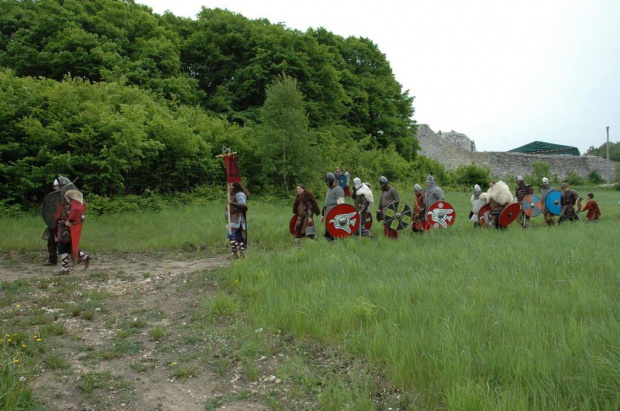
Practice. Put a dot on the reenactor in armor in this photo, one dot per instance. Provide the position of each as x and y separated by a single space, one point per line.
520 193
544 191
388 196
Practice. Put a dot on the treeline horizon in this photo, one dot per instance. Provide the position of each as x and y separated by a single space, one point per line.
133 102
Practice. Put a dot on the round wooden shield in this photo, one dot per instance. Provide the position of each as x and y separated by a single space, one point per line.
368 221
484 215
342 221
52 208
440 214
509 214
291 224
397 215
552 202
531 205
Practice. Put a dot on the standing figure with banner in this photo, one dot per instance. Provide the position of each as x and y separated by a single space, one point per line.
567 201
333 197
419 224
544 191
388 196
363 199
476 204
69 228
304 207
238 229
521 191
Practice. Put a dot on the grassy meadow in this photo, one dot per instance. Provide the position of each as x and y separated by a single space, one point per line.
452 319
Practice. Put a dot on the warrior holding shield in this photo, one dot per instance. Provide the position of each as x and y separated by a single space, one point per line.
333 197
69 226
304 207
388 196
520 193
568 200
433 192
52 205
544 191
498 197
476 204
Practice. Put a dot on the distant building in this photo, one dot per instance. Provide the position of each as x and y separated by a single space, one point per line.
540 147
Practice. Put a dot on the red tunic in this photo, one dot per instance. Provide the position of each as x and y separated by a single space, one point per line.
593 211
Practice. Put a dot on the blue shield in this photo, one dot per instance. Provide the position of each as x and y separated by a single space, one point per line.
553 203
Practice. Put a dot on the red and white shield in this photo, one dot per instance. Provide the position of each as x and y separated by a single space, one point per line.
509 214
484 215
440 214
342 221
368 221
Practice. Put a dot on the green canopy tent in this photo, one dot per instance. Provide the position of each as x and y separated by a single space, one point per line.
540 147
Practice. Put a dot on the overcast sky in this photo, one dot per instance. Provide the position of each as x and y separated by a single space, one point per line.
505 73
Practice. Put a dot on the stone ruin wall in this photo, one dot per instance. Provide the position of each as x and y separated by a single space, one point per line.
450 150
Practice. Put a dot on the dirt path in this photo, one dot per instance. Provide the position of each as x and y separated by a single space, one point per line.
107 354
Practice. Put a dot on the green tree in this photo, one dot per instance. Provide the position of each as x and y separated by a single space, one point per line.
541 169
285 143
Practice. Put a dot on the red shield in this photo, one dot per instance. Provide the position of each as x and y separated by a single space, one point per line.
440 214
342 221
291 224
531 204
509 214
368 221
484 215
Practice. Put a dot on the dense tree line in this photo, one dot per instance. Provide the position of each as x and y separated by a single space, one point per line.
133 101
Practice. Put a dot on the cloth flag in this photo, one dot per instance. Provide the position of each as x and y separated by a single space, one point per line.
232 170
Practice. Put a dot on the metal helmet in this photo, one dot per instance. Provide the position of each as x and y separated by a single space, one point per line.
383 180
330 178
62 181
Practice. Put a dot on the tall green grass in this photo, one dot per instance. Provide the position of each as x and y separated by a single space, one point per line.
456 319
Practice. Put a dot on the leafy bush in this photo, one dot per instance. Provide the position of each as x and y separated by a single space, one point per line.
574 179
541 169
469 175
595 178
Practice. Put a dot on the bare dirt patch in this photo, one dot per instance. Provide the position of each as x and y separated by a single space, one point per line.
128 338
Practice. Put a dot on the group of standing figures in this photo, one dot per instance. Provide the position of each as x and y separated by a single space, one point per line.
64 210
497 208
343 220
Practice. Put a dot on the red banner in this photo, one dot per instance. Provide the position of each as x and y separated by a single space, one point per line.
232 170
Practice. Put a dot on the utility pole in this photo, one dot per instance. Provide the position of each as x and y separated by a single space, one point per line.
608 170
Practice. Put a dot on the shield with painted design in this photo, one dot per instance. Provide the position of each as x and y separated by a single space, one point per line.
484 215
342 221
52 208
509 214
531 205
291 224
553 203
440 214
397 215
